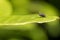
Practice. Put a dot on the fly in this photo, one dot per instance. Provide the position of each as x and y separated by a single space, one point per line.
42 15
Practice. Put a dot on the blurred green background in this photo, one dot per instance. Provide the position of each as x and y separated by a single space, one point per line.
28 11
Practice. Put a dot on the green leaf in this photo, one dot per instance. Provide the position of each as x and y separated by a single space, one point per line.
25 19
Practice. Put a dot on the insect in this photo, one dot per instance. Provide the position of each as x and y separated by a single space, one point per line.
42 15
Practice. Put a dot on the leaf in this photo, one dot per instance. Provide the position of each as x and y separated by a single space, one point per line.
25 19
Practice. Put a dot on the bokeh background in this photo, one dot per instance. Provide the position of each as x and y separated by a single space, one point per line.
33 31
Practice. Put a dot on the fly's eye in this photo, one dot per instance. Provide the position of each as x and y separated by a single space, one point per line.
42 15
